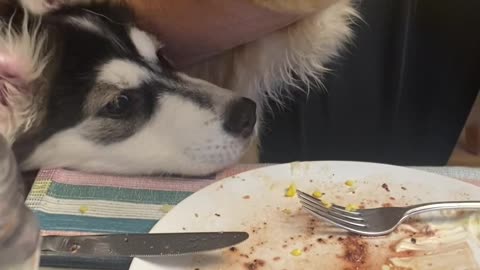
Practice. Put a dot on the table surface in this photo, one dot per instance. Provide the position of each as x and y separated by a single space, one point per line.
52 187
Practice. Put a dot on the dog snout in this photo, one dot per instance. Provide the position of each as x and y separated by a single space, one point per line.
240 117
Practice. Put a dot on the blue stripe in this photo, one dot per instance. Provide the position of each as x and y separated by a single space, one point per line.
142 196
54 222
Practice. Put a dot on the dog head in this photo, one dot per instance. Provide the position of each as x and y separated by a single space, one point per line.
83 88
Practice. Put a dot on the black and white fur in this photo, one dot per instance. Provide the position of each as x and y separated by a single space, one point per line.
83 88
178 124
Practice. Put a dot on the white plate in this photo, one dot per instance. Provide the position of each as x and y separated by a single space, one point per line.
255 202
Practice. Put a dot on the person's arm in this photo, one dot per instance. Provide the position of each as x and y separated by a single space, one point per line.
194 30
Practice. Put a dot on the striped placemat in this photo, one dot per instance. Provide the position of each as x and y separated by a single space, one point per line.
69 202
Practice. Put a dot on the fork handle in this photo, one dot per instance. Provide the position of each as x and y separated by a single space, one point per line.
427 207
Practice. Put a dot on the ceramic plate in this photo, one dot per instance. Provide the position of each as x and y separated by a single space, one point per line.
255 202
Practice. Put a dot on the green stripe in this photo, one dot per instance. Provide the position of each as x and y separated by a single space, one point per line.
54 222
141 196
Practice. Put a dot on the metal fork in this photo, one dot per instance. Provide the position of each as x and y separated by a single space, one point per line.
375 221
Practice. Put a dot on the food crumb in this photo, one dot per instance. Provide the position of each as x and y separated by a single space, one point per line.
233 249
83 209
296 252
246 197
327 204
317 194
404 188
196 215
413 240
351 208
166 208
350 183
216 214
291 191
276 258
320 240
255 264
385 186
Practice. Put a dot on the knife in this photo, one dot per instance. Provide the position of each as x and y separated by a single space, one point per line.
139 245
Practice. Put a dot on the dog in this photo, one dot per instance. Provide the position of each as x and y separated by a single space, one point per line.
82 87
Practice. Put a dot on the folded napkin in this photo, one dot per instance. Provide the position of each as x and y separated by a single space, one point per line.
71 203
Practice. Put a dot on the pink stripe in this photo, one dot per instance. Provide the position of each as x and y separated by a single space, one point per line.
473 182
152 183
65 233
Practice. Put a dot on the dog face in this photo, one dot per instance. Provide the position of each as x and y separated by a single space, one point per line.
114 105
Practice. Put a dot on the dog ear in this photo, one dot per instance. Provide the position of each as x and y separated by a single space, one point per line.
23 58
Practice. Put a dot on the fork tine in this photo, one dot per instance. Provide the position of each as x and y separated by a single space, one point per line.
347 218
339 222
335 208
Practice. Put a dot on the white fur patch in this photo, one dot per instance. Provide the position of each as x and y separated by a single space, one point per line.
124 73
146 46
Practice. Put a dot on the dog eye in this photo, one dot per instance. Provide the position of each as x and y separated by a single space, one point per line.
119 107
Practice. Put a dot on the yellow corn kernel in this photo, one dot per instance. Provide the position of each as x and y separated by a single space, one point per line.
166 208
351 207
291 191
327 204
350 183
296 252
83 209
317 194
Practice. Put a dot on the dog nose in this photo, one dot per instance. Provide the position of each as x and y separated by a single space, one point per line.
240 117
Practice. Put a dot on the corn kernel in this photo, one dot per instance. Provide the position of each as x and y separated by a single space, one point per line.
327 204
351 207
317 194
296 252
291 191
166 208
83 209
350 183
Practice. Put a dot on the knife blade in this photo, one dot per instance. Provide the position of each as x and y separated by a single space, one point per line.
139 245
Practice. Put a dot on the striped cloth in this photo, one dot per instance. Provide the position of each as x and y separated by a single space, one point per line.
68 202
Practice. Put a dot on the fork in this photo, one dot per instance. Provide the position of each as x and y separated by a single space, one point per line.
374 221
